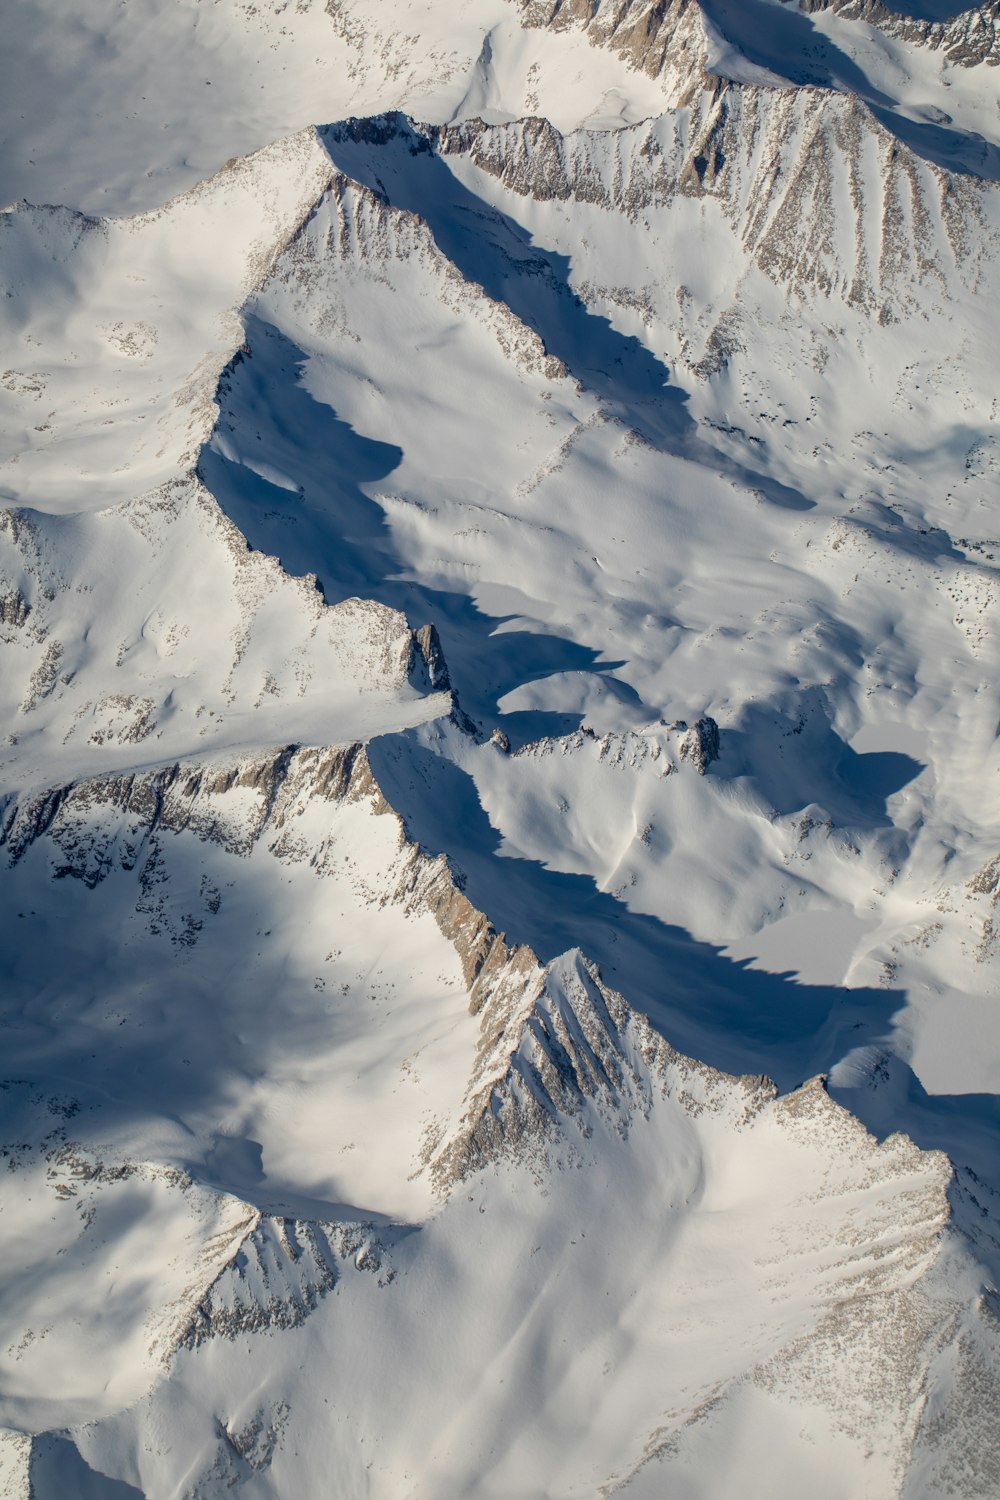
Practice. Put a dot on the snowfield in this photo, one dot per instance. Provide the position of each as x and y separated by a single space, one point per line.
499 564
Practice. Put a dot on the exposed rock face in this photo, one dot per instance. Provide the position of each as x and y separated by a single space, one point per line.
274 639
700 744
564 1072
354 223
429 671
551 1038
278 1275
775 162
986 882
652 35
761 1262
554 1041
659 38
14 608
969 38
666 746
428 643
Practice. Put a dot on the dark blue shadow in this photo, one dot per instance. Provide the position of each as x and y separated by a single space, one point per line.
319 520
719 1010
389 155
799 761
57 1469
786 41
875 777
927 10
712 1007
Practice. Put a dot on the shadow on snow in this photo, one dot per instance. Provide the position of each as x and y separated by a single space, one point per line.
305 505
711 1007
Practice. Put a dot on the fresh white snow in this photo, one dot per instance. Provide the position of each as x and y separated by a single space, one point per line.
498 577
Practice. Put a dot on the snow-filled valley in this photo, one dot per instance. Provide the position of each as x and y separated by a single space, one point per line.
499 564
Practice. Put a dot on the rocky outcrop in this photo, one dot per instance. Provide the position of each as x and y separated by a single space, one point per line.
781 165
665 36
14 609
665 746
559 1051
353 223
429 672
279 1275
700 744
552 1039
969 38
654 36
565 1072
427 646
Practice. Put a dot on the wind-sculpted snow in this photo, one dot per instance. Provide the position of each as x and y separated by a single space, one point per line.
199 632
653 38
794 761
497 665
151 103
564 1079
128 360
277 1277
906 67
787 169
967 37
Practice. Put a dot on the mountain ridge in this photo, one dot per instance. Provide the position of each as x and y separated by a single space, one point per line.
497 602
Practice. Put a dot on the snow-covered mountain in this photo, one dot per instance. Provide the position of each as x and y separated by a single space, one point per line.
498 569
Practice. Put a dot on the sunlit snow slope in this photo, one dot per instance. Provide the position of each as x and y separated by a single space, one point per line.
498 567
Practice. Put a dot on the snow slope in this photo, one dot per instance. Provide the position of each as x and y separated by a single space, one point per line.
153 100
565 1177
497 582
